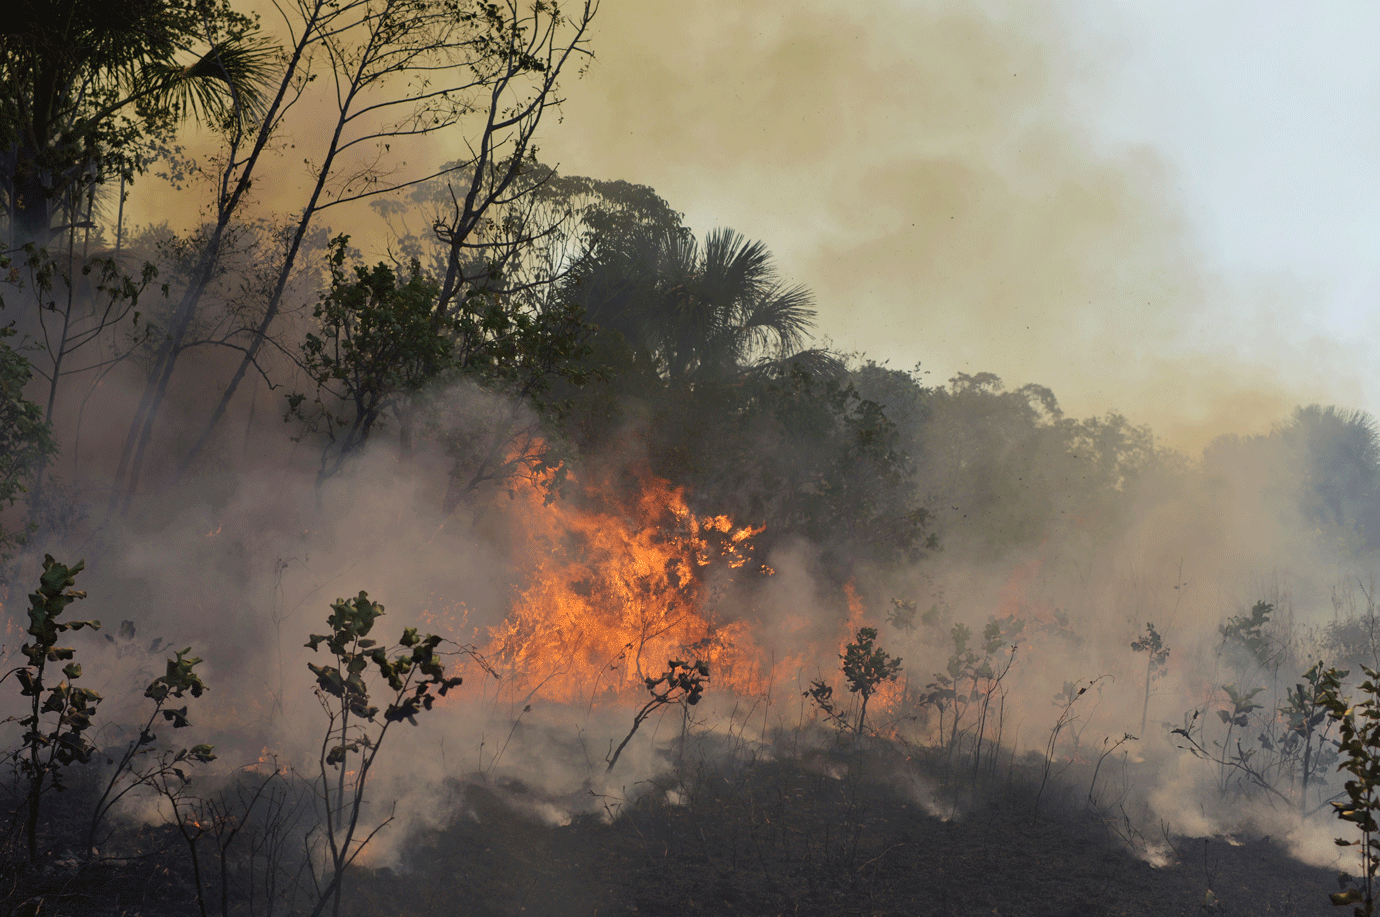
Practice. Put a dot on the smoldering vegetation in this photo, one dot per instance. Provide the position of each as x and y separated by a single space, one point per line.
505 539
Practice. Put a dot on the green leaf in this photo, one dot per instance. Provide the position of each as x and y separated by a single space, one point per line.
328 679
177 717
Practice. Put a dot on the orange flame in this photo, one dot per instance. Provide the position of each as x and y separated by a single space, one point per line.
619 586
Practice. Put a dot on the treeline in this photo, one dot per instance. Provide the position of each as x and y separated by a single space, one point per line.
524 323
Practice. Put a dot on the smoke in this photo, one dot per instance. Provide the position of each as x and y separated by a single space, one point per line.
938 177
924 169
246 575
935 174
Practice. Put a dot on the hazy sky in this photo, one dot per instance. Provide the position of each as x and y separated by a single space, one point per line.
1167 209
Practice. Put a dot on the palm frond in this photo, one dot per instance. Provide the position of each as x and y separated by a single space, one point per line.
735 268
780 319
816 362
226 85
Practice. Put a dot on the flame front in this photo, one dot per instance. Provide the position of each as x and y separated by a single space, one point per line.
617 587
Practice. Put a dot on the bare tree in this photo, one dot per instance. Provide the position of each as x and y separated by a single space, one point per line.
396 70
80 299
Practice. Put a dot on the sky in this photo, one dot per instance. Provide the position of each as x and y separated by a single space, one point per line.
1275 130
1166 209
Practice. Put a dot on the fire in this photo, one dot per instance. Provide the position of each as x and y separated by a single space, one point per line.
619 585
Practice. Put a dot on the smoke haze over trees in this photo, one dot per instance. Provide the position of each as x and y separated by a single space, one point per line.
585 452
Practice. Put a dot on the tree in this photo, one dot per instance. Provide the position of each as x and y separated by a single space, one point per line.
413 672
377 344
1335 455
681 683
521 335
93 85
1151 643
706 312
491 65
1359 747
805 455
520 357
26 441
377 353
59 714
865 667
536 234
1008 468
79 301
1321 467
93 91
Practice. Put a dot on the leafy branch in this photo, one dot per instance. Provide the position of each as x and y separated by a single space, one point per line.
413 671
865 667
55 729
681 683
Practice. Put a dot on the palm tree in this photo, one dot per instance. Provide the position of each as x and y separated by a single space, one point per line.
706 312
1336 455
90 83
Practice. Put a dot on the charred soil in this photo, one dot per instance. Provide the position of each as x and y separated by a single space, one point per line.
840 835
834 833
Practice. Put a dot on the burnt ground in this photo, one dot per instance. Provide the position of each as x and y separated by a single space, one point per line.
797 838
830 834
